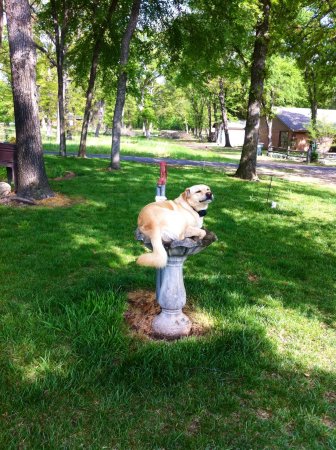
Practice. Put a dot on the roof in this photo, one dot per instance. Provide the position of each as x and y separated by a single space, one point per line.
297 119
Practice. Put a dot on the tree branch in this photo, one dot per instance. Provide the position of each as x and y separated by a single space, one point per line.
45 51
242 57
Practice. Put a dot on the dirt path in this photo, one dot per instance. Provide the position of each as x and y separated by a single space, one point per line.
320 175
325 176
299 172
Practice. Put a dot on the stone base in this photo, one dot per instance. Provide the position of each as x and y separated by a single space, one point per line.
171 325
5 189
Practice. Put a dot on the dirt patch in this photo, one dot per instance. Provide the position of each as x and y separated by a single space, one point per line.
143 307
66 176
328 422
330 396
263 414
253 278
58 201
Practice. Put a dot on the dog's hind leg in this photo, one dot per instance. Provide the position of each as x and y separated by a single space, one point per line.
158 258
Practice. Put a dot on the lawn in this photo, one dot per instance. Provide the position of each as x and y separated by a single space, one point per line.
156 147
160 147
74 376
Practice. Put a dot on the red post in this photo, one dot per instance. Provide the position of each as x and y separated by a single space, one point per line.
160 196
163 174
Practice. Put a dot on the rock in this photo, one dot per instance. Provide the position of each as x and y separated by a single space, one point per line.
5 189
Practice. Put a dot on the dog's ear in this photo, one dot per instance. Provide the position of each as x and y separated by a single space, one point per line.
186 194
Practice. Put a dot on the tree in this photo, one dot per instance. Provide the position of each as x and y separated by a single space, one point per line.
99 32
121 86
1 20
171 107
221 96
100 106
197 101
57 23
6 95
206 52
6 105
248 161
31 178
46 79
61 17
312 42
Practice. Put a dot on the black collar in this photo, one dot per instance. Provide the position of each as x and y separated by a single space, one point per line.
201 213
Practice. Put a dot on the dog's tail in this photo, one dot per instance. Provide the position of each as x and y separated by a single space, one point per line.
158 258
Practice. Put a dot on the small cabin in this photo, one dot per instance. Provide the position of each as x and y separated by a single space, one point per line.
289 128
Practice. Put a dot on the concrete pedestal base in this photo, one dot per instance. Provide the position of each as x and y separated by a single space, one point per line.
172 323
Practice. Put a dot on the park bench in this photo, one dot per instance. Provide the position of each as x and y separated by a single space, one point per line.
7 159
280 152
327 157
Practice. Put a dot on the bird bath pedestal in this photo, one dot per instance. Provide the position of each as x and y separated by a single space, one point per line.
172 323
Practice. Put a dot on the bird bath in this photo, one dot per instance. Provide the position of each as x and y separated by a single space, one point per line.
172 323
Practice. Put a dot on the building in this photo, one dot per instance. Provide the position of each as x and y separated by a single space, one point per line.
236 133
289 128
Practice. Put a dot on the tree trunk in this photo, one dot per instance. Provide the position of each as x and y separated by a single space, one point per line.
49 128
59 45
220 139
312 93
92 79
221 96
209 121
247 169
147 129
121 87
268 110
31 178
89 96
1 20
101 109
67 118
214 107
269 124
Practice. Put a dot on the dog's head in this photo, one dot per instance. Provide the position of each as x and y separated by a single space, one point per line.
198 196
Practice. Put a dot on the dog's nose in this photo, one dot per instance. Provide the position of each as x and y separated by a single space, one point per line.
209 195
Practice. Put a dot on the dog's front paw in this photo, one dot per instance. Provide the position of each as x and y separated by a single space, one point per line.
202 234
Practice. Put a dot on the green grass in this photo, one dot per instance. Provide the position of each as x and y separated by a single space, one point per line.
154 147
159 147
74 377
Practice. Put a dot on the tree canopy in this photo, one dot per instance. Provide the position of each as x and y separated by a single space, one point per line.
189 66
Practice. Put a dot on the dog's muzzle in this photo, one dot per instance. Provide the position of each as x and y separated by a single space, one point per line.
208 197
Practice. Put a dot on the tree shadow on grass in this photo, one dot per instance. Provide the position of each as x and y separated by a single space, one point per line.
233 384
70 363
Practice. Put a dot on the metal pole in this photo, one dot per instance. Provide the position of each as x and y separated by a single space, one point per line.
160 196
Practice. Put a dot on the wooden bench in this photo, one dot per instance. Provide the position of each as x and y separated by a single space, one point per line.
279 152
7 159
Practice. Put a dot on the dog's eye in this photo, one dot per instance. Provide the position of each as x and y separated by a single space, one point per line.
198 192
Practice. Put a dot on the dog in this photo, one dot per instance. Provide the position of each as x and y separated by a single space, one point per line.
173 220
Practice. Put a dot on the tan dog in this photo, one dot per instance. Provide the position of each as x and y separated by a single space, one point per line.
173 220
